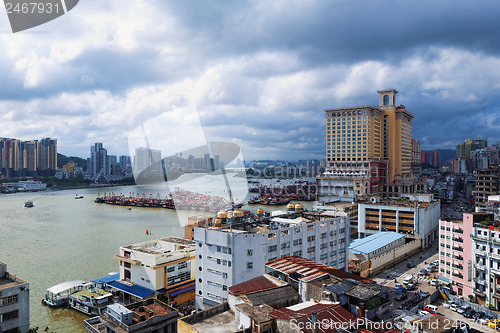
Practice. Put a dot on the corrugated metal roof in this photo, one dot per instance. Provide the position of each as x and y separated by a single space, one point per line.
252 285
374 242
310 269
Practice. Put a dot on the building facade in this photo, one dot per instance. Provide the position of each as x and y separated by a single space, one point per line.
413 218
456 254
229 255
163 267
28 158
366 147
487 183
14 302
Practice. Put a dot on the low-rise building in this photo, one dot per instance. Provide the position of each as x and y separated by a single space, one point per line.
298 271
236 249
150 315
415 219
163 268
14 302
381 250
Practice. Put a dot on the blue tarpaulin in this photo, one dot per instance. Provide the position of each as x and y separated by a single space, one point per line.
182 290
135 290
107 279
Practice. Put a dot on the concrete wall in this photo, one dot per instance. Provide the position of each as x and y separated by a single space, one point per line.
201 315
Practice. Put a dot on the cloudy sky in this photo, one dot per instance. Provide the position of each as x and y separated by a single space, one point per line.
258 73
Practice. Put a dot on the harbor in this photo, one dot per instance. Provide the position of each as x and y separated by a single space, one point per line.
67 240
179 199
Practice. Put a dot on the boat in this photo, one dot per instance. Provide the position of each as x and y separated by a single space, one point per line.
78 196
90 299
58 295
28 203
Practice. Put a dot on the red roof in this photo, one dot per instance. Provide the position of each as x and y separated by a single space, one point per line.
309 269
331 313
256 284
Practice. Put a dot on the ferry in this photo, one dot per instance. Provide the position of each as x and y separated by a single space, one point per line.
28 203
58 295
90 300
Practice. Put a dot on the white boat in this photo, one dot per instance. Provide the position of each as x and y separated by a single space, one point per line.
58 295
90 300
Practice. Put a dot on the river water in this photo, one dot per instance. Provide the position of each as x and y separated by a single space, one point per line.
62 239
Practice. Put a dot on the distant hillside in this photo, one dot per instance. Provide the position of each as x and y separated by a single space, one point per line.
62 159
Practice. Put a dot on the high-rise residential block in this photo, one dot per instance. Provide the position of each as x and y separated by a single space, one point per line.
28 158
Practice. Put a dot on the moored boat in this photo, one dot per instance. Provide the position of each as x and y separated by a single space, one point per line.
58 295
78 196
90 300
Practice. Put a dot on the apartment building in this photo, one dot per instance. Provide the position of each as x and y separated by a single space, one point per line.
232 251
487 183
456 254
486 258
413 218
14 302
162 268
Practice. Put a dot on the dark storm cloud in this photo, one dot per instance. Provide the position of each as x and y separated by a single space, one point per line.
259 73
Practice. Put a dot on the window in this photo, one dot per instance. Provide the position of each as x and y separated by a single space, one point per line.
249 252
9 300
170 269
249 265
272 248
182 265
10 315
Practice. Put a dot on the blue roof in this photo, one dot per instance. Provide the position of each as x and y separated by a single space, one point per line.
107 278
135 290
374 242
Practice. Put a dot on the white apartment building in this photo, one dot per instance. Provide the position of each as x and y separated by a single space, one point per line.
228 255
159 267
14 302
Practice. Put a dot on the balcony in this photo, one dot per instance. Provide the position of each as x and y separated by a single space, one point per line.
495 271
495 256
461 249
479 238
480 281
479 293
480 267
481 253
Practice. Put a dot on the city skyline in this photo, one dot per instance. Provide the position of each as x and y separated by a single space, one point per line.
258 75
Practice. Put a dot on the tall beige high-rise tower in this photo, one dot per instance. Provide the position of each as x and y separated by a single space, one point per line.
368 150
396 135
